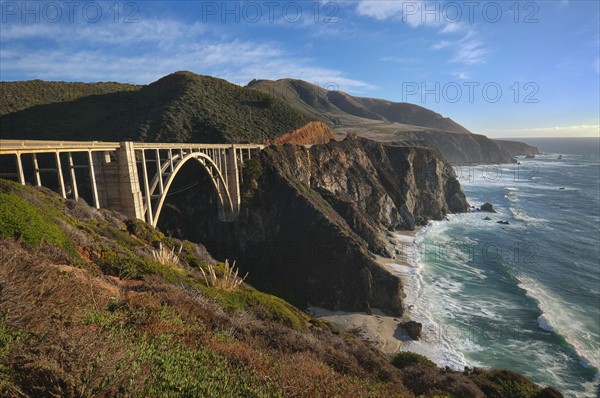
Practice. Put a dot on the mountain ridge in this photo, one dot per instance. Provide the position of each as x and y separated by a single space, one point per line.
299 92
386 121
182 106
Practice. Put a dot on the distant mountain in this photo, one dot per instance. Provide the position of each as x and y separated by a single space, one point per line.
341 108
516 148
182 107
384 120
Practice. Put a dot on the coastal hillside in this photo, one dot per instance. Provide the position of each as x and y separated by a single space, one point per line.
516 148
339 108
17 96
97 305
313 217
386 121
182 107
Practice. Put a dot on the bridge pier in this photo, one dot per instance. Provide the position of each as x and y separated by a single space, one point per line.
233 179
117 182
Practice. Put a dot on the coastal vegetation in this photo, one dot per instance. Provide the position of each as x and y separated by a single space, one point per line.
87 310
181 107
17 96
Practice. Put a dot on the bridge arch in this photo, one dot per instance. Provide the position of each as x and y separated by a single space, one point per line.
218 181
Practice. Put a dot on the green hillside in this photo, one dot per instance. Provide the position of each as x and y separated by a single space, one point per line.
88 309
386 121
16 96
340 108
182 106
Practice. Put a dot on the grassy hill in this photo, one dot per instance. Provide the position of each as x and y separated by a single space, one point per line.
386 121
182 106
17 96
340 108
87 309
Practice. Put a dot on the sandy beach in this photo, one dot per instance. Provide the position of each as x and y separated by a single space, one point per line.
382 330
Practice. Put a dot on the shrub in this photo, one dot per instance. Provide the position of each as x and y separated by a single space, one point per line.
164 256
406 358
22 219
229 280
512 384
127 265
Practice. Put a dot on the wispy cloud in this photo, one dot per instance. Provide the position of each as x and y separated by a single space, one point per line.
382 10
146 51
461 75
162 33
468 49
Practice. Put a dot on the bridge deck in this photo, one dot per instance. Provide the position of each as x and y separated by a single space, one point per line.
8 147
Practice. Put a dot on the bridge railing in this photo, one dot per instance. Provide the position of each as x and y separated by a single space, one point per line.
12 147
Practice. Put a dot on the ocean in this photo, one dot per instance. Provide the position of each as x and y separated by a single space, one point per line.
523 296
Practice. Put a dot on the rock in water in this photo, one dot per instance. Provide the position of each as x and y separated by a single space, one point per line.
412 329
488 208
503 222
487 219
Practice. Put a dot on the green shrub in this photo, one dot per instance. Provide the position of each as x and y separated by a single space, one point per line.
7 340
24 220
406 358
178 371
512 384
265 306
251 172
101 318
130 266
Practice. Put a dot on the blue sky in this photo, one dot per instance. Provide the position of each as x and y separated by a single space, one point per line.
504 68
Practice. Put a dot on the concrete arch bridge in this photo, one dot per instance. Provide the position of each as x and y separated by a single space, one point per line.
131 178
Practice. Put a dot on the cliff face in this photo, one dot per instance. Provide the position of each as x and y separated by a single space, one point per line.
312 215
516 148
459 148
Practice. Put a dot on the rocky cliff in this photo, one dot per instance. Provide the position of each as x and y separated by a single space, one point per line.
312 217
516 148
458 148
312 133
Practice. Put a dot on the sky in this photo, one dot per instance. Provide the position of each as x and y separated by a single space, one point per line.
503 68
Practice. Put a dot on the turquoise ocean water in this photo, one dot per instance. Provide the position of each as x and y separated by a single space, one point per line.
523 296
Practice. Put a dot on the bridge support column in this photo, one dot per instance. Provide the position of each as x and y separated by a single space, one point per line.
233 179
102 170
129 183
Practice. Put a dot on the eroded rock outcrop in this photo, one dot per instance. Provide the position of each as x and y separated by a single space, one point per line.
312 133
312 217
488 207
